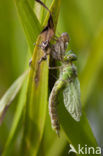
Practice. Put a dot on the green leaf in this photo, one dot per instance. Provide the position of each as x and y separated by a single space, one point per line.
29 21
54 11
36 101
10 95
58 146
18 118
76 132
17 121
93 67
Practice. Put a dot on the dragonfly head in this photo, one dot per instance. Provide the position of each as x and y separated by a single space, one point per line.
70 57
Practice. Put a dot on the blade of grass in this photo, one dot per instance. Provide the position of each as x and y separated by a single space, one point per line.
89 76
31 28
76 132
10 95
57 146
54 11
36 103
17 124
29 21
50 141
31 3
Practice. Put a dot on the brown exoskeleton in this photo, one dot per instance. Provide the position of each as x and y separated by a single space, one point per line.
57 49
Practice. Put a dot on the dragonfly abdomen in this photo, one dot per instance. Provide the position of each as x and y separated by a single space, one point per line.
53 105
53 111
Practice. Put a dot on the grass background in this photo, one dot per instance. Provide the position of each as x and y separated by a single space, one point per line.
84 23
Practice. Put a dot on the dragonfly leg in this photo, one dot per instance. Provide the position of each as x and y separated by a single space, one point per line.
57 67
43 58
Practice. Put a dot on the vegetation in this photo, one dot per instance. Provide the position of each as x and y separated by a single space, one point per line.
26 128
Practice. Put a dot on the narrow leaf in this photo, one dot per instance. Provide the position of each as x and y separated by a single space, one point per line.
18 118
10 95
58 146
36 102
29 21
16 121
76 132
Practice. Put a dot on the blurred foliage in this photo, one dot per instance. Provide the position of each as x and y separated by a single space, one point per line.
83 20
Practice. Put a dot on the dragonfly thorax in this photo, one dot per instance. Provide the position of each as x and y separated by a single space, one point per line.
58 49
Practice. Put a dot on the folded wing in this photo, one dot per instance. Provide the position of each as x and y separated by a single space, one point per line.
72 100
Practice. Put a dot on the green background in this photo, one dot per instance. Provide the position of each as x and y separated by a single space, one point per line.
83 20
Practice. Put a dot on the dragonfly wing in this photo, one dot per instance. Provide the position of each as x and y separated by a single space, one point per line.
72 101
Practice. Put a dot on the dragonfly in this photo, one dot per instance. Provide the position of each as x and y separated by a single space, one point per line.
68 81
69 84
